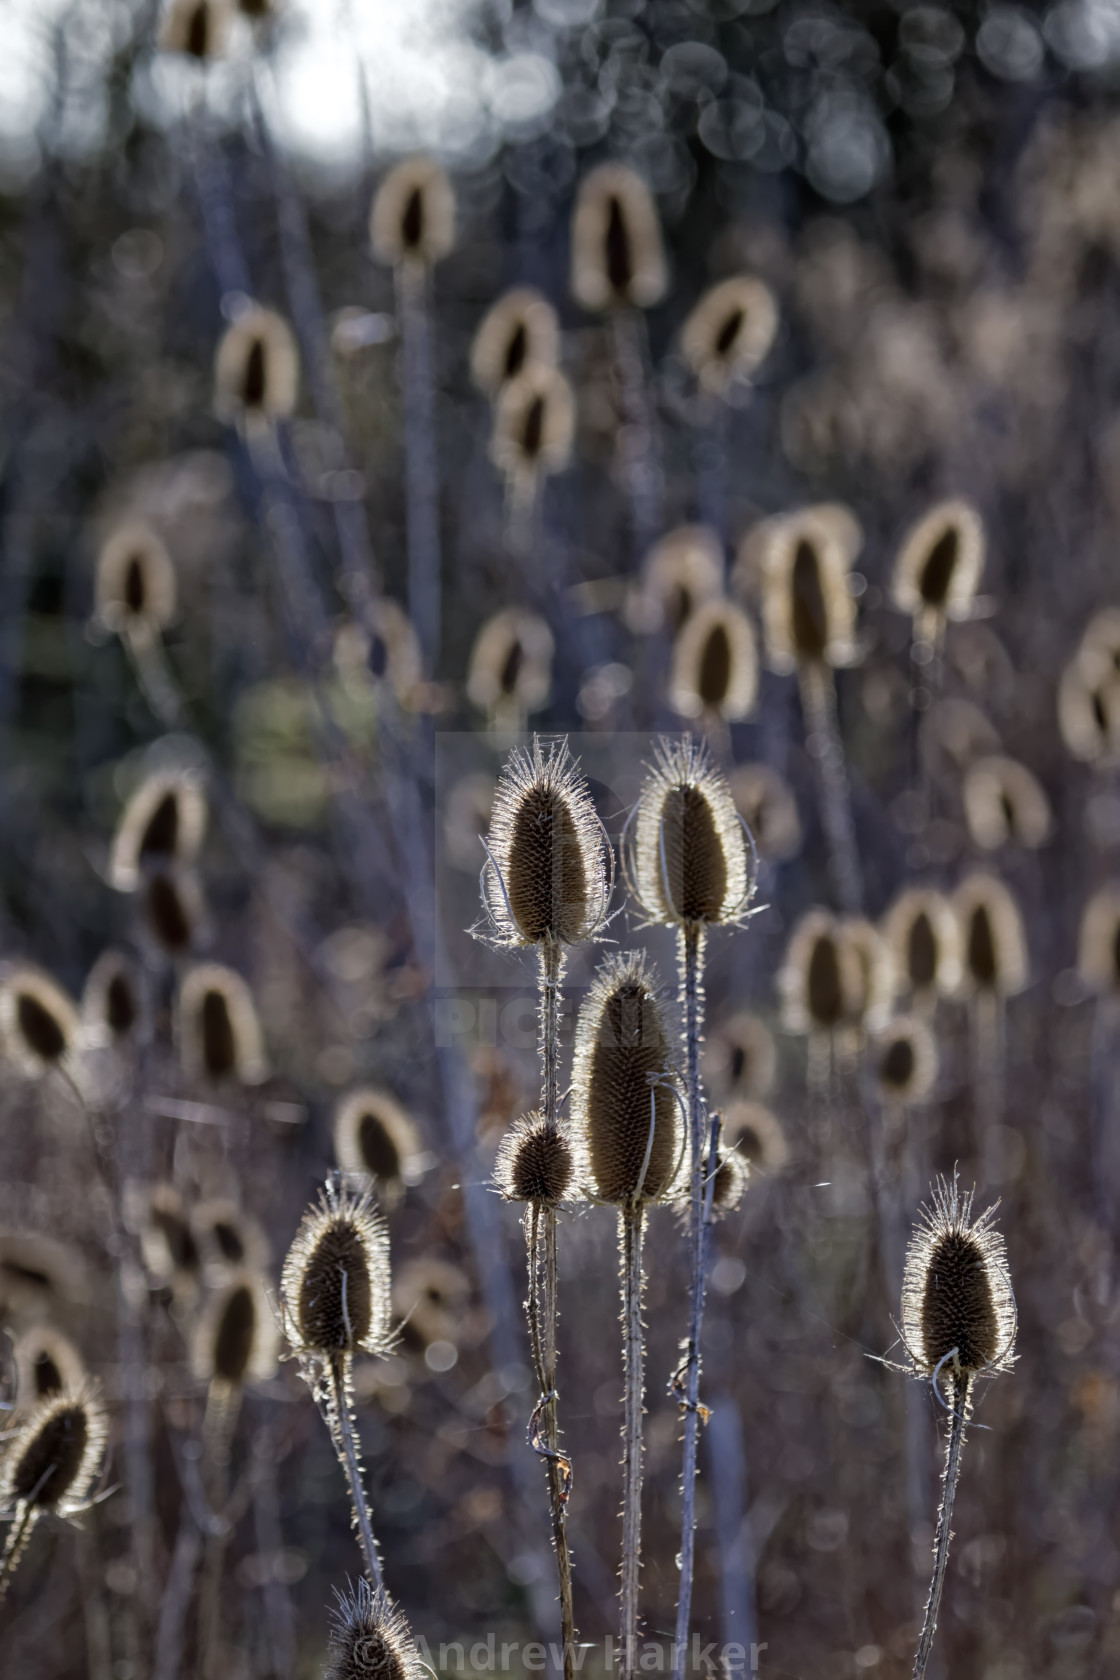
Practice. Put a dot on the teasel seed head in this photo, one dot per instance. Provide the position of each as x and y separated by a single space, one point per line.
510 671
938 569
229 1239
837 974
729 1185
55 1457
335 1286
376 1138
198 28
766 804
993 940
905 1060
167 1241
681 572
46 1363
687 857
520 331
923 936
535 1162
135 590
114 1001
413 215
162 826
237 1338
1004 803
370 1638
1101 638
868 973
219 1033
756 1134
729 332
549 871
618 260
625 1106
256 370
431 1298
956 1289
39 1278
1089 708
39 1022
384 647
174 910
715 664
534 426
1098 944
740 1059
808 612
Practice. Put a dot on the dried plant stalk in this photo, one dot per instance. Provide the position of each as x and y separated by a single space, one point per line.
631 1225
818 704
421 462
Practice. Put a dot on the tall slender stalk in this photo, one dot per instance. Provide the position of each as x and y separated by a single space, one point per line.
818 704
960 1399
638 440
341 1420
421 474
631 1226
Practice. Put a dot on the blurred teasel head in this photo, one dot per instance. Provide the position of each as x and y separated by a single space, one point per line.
376 1138
803 561
924 939
174 911
113 1000
729 1181
766 804
510 672
618 260
625 1103
549 870
370 1638
954 734
993 940
39 1278
197 28
756 1134
413 216
837 974
715 664
729 332
535 1162
1098 944
256 371
135 593
1004 803
39 1023
229 1239
688 859
534 426
740 1059
1101 638
236 1338
868 973
335 1286
219 1032
519 332
46 1363
384 647
1089 708
958 1308
938 569
161 827
904 1057
54 1458
681 572
431 1297
167 1240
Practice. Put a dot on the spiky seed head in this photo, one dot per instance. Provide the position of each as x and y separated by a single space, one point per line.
56 1455
923 937
510 670
803 561
956 1289
905 1060
376 1138
534 425
740 1059
167 1241
766 804
431 1297
1089 708
413 215
335 1285
134 585
370 1638
535 1162
1098 945
1005 802
229 1239
993 940
219 1032
518 332
547 879
236 1339
681 572
938 569
618 260
197 28
715 664
173 910
383 648
39 1022
756 1135
689 859
256 370
729 332
113 1000
161 827
46 1363
625 1110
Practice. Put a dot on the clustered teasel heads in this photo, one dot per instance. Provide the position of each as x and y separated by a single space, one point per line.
413 216
335 1286
715 664
370 1638
729 332
135 591
162 826
256 371
376 1138
808 612
618 260
939 564
39 1023
519 332
220 1033
958 1308
687 856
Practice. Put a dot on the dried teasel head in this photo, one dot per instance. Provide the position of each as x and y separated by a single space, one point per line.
168 1245
687 856
256 370
335 1286
510 671
729 332
219 1032
46 1363
625 1104
1098 944
618 260
39 1278
1101 639
681 572
938 569
1089 708
715 664
431 1298
729 1183
229 1239
993 939
135 591
904 1057
535 1162
923 936
114 1001
740 1059
376 1138
802 561
868 973
55 1456
958 1309
236 1339
836 974
1005 803
173 910
161 827
384 647
534 425
413 215
39 1023
549 870
756 1134
197 28
520 331
766 804
370 1638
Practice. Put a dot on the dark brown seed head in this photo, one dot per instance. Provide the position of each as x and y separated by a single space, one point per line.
714 676
42 1029
957 1306
256 373
172 1247
121 1006
335 1284
940 562
618 260
824 990
412 222
219 1029
958 1310
219 1053
374 1136
56 1455
905 1060
688 862
168 914
534 1162
370 1640
921 952
617 256
980 948
39 1022
896 1068
413 215
994 950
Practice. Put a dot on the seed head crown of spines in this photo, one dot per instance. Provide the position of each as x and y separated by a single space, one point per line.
958 1307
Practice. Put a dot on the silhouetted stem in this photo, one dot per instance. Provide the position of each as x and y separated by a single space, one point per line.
818 706
959 1399
632 1222
346 1441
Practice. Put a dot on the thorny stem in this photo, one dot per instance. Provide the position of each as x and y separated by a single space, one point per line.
960 1401
632 1221
420 464
18 1536
818 705
345 1440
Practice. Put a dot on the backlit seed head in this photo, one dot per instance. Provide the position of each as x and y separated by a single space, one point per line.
431 1298
198 28
1004 803
161 827
376 1138
837 973
1098 945
39 1023
134 585
519 331
730 332
715 664
904 1057
954 734
938 569
174 910
113 1000
756 1134
167 1241
229 1239
1102 636
256 371
680 573
370 1639
335 1285
689 859
730 1183
46 1363
413 215
534 425
1089 708
56 1455
868 973
219 1032
237 1338
625 1108
808 612
740 1059
384 648
535 1162
767 805
467 814
923 936
956 1289
618 260
993 940
510 670
548 874
39 1278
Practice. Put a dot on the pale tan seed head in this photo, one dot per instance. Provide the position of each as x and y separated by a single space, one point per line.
740 1059
904 1059
813 983
197 28
219 1030
335 1285
229 1239
375 1138
766 803
618 260
536 1162
802 561
114 1000
383 648
923 936
956 1290
168 1245
1098 944
681 572
162 826
714 670
689 859
1005 804
46 1363
937 572
993 939
867 971
730 331
519 331
237 1339
431 1297
510 673
41 1279
256 370
756 1134
534 425
413 216
135 589
39 1022
56 1455
1089 708
370 1638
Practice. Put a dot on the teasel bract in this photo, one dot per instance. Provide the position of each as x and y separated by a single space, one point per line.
162 826
510 673
958 1325
335 1293
375 1138
682 571
219 1032
256 371
938 568
518 332
715 664
729 332
1005 803
630 1144
534 427
923 936
50 1466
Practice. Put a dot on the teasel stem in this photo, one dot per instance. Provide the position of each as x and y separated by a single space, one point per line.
16 1543
960 1401
711 462
818 705
631 1227
987 1021
638 441
341 1420
421 462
